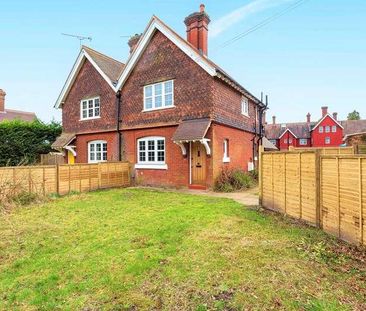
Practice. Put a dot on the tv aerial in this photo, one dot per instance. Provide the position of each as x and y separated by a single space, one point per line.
80 38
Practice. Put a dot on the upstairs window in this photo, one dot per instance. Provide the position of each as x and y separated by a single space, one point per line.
97 151
245 106
327 140
159 95
286 141
226 157
327 129
334 129
290 141
321 129
303 141
90 108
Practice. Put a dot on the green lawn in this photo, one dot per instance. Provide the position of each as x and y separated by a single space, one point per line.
136 249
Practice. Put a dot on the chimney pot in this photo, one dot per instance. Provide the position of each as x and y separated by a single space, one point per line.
308 118
324 111
335 115
133 42
273 119
197 29
2 100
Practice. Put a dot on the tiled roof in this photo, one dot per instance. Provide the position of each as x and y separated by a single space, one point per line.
301 129
63 140
192 130
111 67
353 126
10 114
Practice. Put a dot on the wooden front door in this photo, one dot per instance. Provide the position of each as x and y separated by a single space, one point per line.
198 164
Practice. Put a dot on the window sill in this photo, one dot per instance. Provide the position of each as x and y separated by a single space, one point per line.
87 119
245 115
226 160
151 166
160 108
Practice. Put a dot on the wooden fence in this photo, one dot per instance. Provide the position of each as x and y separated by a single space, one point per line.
327 150
328 191
63 179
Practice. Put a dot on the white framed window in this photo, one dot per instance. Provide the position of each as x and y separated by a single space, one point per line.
159 95
226 157
151 153
273 141
286 141
334 129
327 129
327 140
90 108
97 151
290 141
245 106
321 129
303 141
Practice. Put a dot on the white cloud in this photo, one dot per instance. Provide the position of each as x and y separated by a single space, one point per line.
228 20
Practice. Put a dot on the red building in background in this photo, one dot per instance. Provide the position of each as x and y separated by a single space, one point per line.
326 132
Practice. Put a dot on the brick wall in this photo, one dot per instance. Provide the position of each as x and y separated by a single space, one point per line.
177 173
240 148
161 61
89 83
227 107
82 145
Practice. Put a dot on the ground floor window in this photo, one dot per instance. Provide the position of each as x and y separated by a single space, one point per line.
303 141
97 151
226 157
327 140
151 152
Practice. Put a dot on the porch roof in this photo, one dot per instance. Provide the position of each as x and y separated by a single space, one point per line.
63 140
192 130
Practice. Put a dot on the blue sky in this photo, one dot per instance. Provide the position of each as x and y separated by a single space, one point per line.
315 55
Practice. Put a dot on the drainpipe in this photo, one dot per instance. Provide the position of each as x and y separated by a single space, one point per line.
118 103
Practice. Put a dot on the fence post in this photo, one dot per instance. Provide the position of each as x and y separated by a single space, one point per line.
260 175
318 189
338 199
99 176
57 179
361 200
285 179
300 184
272 180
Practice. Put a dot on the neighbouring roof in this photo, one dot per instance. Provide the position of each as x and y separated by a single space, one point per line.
10 114
353 126
63 140
268 145
191 130
303 129
300 130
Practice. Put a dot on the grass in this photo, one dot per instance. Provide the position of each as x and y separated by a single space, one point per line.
135 249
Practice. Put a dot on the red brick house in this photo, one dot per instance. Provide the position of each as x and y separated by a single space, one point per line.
11 114
170 111
326 132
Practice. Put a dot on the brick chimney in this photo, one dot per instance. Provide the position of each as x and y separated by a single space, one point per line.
324 111
273 119
197 29
335 115
133 42
2 100
308 117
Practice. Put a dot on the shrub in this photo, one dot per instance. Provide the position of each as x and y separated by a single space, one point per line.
233 179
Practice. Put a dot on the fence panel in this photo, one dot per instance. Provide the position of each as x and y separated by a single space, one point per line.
327 150
63 179
325 190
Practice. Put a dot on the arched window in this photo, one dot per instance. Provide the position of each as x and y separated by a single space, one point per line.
97 151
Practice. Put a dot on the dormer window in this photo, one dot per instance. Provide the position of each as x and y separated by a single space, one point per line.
245 106
90 108
159 95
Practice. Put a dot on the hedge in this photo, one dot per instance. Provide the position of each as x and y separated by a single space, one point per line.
22 142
